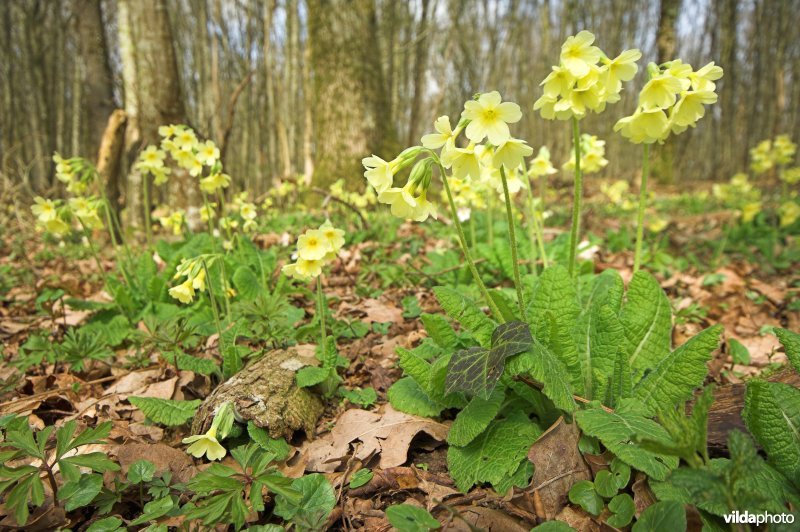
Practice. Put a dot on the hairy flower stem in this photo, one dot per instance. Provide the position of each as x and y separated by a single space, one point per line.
637 257
323 340
213 299
148 224
498 316
577 198
513 238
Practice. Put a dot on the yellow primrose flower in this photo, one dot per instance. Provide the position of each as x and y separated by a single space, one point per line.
621 68
511 154
379 173
789 213
577 53
303 270
791 175
44 209
660 92
185 139
173 222
644 126
704 78
160 175
56 226
199 280
151 157
464 162
206 445
541 164
208 212
183 292
657 225
558 82
783 149
489 117
546 105
214 182
404 205
750 210
444 133
248 211
208 153
169 131
616 191
335 237
312 245
690 108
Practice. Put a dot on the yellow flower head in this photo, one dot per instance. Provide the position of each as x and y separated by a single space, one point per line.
151 158
313 245
750 210
577 53
185 139
489 117
464 162
444 133
183 292
511 154
44 209
303 270
660 92
405 205
208 153
541 164
783 149
379 173
691 107
214 182
621 68
248 211
206 445
789 213
169 131
334 237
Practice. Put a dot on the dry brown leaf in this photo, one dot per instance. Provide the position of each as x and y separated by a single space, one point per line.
164 457
487 519
558 465
387 433
380 311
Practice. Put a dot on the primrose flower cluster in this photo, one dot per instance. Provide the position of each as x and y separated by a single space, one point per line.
475 165
779 153
194 270
55 216
672 100
315 249
585 79
593 155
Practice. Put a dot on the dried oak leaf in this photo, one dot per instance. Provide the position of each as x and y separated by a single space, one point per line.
386 432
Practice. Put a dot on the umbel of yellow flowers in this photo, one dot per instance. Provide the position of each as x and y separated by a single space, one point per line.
315 249
195 272
585 79
673 99
473 165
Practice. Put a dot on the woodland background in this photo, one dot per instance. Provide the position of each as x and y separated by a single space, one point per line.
292 88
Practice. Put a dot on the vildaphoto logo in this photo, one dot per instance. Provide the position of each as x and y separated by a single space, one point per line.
742 518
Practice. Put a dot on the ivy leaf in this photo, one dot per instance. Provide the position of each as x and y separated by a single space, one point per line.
584 495
475 418
791 344
165 411
772 414
495 455
664 515
622 508
676 376
407 396
646 319
467 313
476 370
408 518
619 428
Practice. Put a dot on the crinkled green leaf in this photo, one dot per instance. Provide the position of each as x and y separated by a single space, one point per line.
597 333
494 455
415 367
467 313
554 293
621 386
772 414
791 344
663 515
165 411
674 379
406 396
476 370
408 518
246 283
315 504
439 330
605 288
646 318
311 376
475 418
617 430
549 370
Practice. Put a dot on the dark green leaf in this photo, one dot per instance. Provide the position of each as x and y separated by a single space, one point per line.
664 515
408 518
584 495
80 493
141 471
360 478
165 411
622 508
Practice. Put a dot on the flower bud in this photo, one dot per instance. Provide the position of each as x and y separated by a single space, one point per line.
421 173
